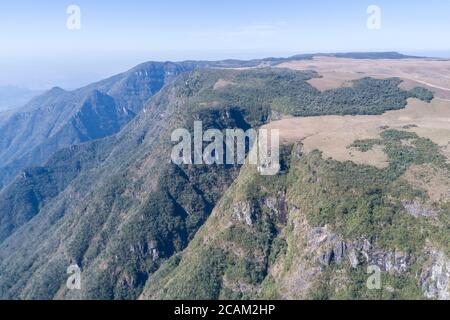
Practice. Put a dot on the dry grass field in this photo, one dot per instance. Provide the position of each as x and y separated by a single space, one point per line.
333 134
436 182
433 74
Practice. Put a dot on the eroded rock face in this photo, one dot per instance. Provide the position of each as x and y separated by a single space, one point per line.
247 211
144 249
243 212
435 280
417 210
330 248
277 206
153 249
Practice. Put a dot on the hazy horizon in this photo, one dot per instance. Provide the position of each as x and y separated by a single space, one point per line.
85 72
40 51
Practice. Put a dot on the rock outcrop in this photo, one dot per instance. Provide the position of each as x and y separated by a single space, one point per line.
435 280
243 212
417 210
330 248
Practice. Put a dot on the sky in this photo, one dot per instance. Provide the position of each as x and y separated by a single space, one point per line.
39 51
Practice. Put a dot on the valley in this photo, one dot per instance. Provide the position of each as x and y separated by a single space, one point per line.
363 181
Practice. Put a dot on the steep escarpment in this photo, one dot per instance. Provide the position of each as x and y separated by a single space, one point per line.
319 230
124 211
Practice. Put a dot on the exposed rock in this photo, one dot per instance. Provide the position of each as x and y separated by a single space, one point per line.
326 258
277 206
239 286
327 245
271 203
339 251
435 281
390 261
330 248
243 212
153 250
144 249
417 210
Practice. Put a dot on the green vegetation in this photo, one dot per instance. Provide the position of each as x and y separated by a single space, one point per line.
240 254
422 94
124 214
247 101
366 201
393 287
365 145
289 92
355 201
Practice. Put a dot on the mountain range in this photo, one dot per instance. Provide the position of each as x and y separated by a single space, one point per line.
86 179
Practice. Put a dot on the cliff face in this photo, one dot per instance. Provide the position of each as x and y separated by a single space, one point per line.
318 230
139 225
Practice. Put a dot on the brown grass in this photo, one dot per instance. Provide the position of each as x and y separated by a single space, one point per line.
333 134
221 83
435 181
336 72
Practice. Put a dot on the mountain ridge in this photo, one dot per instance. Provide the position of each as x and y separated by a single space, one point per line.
120 211
52 121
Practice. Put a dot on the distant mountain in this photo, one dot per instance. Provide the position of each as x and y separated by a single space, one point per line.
308 56
14 97
368 55
60 118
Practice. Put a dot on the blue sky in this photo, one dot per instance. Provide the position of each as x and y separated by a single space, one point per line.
39 51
